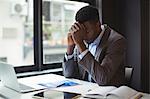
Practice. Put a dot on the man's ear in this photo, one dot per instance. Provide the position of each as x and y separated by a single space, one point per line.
98 24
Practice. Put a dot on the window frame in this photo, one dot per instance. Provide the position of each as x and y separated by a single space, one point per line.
37 6
38 41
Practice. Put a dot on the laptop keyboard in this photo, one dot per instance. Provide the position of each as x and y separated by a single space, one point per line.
24 87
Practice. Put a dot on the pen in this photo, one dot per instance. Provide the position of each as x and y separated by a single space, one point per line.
76 97
138 96
89 90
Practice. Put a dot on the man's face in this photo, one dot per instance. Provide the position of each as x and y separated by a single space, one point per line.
92 31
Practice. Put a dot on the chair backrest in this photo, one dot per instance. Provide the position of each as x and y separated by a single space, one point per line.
128 74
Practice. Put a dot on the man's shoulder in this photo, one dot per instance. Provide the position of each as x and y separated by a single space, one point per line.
114 35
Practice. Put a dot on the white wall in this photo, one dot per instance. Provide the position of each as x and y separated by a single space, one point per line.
11 46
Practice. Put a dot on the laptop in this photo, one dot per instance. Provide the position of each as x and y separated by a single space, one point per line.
9 79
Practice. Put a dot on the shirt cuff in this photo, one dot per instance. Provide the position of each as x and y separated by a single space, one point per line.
67 57
83 54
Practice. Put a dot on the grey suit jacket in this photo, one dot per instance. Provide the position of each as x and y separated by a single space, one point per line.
106 67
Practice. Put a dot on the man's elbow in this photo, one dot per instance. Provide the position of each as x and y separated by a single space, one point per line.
103 80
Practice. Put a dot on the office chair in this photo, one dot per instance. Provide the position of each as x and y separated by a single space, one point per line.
128 74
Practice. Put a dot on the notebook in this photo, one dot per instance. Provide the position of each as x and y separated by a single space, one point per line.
122 92
9 79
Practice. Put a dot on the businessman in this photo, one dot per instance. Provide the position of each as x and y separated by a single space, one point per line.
95 52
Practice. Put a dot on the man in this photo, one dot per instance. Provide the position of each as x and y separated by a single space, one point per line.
95 52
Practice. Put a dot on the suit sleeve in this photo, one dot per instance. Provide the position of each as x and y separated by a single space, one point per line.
103 72
70 68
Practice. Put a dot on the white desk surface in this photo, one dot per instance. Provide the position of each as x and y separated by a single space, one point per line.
6 93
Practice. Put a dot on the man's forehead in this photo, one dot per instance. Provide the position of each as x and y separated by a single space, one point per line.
85 23
88 23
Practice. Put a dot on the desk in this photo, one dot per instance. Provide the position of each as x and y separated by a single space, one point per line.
6 93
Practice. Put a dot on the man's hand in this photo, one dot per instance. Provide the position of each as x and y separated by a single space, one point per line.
70 40
78 33
71 44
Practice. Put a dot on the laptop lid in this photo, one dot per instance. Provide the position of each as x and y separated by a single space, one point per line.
9 79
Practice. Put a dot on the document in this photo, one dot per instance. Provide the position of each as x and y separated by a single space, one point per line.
78 89
99 92
42 81
59 84
123 92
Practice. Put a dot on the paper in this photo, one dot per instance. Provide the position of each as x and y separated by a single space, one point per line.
59 84
79 89
102 91
41 79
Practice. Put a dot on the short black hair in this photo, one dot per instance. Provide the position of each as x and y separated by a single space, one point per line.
87 13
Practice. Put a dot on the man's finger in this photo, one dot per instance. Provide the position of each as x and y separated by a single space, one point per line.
78 24
73 29
69 34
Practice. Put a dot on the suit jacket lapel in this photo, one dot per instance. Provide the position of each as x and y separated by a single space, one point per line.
102 44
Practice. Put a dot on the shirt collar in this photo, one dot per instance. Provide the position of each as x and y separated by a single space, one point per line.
97 40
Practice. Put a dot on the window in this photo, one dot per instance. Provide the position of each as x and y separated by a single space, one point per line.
16 32
33 32
58 16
